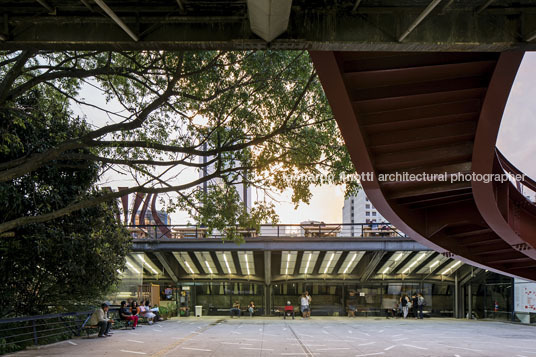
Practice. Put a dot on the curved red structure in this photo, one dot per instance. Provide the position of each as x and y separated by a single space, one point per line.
435 113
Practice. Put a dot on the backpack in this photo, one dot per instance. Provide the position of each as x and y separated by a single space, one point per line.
421 301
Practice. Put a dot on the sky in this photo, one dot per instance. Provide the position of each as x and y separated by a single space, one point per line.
516 140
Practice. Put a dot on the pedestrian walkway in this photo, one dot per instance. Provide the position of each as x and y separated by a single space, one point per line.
320 336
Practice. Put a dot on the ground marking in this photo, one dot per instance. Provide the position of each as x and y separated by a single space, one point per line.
236 333
367 344
136 341
135 352
333 348
400 339
417 347
133 333
196 349
462 348
161 330
256 348
381 331
293 354
349 331
72 343
389 348
325 332
371 354
236 343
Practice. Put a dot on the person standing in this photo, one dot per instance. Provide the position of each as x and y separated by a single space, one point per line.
304 302
309 299
101 319
404 300
351 303
414 303
420 305
251 308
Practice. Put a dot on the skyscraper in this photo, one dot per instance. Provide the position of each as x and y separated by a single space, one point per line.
358 209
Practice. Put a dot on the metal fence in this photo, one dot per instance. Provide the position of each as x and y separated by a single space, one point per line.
20 332
178 231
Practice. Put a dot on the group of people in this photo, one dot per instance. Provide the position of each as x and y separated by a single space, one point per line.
235 310
127 312
415 304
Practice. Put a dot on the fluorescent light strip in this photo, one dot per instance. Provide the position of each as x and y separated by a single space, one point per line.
398 257
288 260
308 261
385 270
150 267
436 263
226 263
350 263
132 267
247 265
329 263
208 266
449 269
189 267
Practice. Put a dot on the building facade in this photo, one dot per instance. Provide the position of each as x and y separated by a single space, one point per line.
359 209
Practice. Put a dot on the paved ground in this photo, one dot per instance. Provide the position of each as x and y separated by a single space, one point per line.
333 336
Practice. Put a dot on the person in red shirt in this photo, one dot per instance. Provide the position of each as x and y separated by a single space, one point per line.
289 309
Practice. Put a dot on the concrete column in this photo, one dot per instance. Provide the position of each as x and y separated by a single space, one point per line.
456 297
470 300
267 282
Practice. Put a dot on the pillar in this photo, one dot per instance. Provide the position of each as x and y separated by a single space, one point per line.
267 282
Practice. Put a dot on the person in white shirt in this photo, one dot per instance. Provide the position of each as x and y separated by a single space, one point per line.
309 299
100 318
304 302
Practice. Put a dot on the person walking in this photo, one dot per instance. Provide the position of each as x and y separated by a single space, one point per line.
304 302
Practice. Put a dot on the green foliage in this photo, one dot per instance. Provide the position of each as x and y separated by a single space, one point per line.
256 117
65 262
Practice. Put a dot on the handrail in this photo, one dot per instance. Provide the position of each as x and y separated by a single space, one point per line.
19 332
152 231
509 168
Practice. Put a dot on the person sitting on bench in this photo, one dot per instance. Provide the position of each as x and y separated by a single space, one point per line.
289 309
125 314
101 319
235 311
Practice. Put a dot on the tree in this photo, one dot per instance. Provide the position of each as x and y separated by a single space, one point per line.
67 261
259 117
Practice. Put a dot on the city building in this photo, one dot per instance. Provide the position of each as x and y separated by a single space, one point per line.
358 209
244 190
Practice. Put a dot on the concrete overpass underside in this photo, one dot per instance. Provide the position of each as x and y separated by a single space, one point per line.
270 261
351 25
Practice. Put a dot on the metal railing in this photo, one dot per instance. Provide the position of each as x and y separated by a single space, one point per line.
20 332
324 230
522 186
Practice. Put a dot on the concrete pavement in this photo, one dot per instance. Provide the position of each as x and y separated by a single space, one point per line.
319 336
